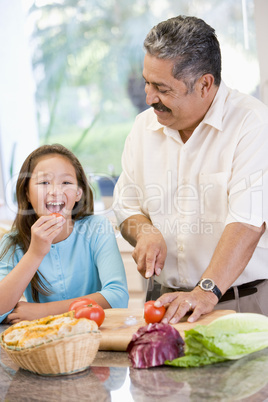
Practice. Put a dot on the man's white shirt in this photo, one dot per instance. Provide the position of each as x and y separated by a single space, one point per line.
191 191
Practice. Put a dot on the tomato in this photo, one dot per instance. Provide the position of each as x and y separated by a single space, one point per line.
92 312
81 303
56 214
153 314
88 308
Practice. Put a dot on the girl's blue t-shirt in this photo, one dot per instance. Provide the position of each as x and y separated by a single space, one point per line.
88 261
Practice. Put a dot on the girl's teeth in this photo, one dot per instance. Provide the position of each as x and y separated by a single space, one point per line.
55 206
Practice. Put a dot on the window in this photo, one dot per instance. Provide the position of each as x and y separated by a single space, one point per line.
87 59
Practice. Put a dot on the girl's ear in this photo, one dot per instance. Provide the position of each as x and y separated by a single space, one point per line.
79 193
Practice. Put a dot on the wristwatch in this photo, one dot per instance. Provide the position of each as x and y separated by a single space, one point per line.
209 286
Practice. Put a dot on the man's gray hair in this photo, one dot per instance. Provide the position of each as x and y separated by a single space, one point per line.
191 43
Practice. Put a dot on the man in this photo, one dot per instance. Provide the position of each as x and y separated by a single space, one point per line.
192 197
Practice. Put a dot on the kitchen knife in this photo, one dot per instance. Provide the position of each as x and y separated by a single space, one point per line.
150 288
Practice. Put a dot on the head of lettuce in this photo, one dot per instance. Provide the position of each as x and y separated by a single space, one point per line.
227 338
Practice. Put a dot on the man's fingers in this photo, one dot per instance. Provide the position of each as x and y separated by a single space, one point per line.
140 261
181 303
150 264
166 299
150 254
179 311
176 308
159 263
155 261
145 260
134 256
194 316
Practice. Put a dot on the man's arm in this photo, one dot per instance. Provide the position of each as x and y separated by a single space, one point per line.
231 256
150 248
233 252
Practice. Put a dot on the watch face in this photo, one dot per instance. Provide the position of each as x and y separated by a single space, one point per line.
207 284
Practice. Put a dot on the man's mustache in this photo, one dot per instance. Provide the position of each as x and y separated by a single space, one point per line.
160 107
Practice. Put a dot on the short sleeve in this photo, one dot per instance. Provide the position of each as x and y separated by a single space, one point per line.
110 266
248 187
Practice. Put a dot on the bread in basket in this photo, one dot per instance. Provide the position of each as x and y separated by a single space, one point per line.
53 345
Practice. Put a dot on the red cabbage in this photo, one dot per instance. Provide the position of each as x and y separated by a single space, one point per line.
153 344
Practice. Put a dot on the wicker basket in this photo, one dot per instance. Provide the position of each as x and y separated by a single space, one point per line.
62 356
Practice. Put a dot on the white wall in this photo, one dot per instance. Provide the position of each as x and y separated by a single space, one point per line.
261 19
1 186
17 110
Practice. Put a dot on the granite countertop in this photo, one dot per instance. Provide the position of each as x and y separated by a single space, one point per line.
111 378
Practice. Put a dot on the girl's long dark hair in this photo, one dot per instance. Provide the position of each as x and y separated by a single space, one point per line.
26 216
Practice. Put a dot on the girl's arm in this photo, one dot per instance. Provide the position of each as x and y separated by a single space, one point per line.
14 283
110 270
32 311
110 266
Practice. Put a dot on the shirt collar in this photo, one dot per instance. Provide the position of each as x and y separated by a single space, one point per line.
213 116
154 125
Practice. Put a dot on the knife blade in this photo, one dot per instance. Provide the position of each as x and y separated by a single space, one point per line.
150 288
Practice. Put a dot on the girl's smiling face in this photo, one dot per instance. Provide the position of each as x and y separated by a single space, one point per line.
53 186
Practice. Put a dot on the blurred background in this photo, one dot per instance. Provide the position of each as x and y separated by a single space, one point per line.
71 73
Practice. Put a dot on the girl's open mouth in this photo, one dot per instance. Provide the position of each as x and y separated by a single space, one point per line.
55 206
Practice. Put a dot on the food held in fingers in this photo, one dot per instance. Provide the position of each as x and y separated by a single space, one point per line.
56 214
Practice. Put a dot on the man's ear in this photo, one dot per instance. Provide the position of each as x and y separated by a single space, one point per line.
79 193
205 84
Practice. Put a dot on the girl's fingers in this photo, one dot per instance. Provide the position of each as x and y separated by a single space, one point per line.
48 219
46 224
50 232
47 231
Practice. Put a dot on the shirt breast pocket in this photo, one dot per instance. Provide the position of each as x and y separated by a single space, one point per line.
213 196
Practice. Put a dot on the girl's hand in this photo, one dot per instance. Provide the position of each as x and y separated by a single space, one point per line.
43 232
26 311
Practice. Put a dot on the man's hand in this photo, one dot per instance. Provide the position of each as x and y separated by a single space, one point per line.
150 247
150 251
179 304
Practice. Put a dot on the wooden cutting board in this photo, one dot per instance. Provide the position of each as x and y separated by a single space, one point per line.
121 323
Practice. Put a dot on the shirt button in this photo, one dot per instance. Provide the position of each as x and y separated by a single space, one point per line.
181 248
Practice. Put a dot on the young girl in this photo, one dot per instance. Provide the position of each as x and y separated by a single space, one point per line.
57 250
